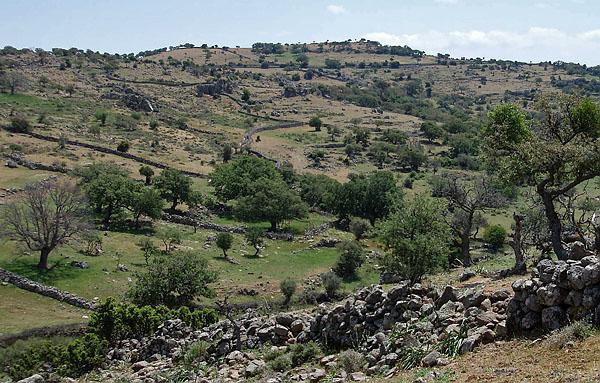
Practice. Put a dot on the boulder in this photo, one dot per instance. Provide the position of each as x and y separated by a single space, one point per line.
37 378
431 359
551 295
553 318
575 277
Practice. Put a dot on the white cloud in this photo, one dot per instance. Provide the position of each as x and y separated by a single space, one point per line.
535 44
336 9
446 1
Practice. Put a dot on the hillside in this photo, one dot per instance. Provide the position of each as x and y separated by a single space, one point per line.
394 122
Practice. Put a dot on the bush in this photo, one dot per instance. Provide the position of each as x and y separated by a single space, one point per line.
101 117
125 123
565 336
359 227
83 355
153 124
351 361
115 321
281 363
224 242
351 258
494 235
136 116
173 280
303 353
331 283
19 124
27 357
315 122
195 352
288 288
123 146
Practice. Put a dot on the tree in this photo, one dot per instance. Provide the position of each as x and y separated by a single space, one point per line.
246 95
416 237
350 260
494 235
466 198
431 131
48 215
270 200
233 179
315 122
414 88
227 152
254 236
19 124
367 196
174 186
224 242
394 136
13 81
173 280
554 153
288 288
170 236
412 156
146 201
101 117
147 172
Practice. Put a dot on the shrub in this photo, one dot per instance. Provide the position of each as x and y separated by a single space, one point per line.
315 122
351 258
331 283
101 117
125 123
136 116
351 361
153 124
565 336
281 363
123 146
173 280
303 353
83 355
195 352
115 321
359 227
15 147
288 288
19 124
494 235
27 357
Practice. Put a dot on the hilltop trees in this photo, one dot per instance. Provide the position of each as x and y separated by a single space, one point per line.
49 214
554 153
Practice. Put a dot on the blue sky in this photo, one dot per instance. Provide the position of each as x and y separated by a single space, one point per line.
528 30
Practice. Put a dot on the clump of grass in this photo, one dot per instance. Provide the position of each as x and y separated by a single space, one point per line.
196 352
566 336
351 361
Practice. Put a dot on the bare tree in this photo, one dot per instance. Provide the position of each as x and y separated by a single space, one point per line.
467 198
516 242
13 81
49 214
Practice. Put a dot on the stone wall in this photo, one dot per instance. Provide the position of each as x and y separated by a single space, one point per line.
556 294
48 291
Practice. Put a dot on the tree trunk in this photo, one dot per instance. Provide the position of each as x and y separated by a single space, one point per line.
517 244
174 205
148 180
273 226
107 215
257 250
43 264
465 249
555 225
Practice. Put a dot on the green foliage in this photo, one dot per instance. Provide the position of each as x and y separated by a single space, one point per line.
304 352
254 235
147 172
123 146
25 358
281 363
227 152
146 201
359 227
19 124
417 238
318 190
288 288
234 179
172 280
331 283
368 196
125 123
174 186
195 353
136 116
270 200
109 193
352 256
431 131
224 242
116 321
315 122
83 355
246 95
494 235
153 124
394 136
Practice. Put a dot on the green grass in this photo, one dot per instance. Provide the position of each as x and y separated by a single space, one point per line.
21 310
19 177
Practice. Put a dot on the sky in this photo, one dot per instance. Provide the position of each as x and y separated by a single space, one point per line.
525 30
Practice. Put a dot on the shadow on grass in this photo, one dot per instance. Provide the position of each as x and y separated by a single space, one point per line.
58 269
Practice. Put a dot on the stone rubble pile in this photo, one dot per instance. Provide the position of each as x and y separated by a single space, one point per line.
557 294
